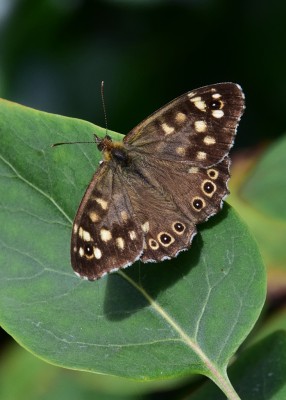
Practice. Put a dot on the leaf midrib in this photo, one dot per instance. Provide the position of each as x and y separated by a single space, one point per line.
217 375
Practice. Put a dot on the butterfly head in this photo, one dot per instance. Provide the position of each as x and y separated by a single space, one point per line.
112 150
103 143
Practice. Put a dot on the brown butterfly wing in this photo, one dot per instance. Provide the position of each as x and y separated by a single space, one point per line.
170 174
197 127
105 234
169 199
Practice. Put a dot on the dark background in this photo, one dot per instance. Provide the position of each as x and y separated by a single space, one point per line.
55 53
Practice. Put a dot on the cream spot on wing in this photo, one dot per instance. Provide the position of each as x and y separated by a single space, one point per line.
212 173
216 96
145 227
199 103
217 113
200 126
167 129
180 117
80 232
101 202
86 236
153 244
201 155
120 243
75 249
181 151
208 140
75 228
97 253
93 216
105 235
193 170
81 252
124 216
132 235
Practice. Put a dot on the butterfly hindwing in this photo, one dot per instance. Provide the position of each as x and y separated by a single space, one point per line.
167 217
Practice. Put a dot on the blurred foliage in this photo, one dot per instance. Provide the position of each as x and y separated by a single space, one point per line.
54 54
258 192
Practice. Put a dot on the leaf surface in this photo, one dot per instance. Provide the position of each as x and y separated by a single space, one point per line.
150 321
259 194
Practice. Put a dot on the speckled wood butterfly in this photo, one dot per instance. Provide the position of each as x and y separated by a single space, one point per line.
152 189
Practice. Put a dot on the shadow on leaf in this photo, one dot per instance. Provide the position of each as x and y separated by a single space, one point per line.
153 278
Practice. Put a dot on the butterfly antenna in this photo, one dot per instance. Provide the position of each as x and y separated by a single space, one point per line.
96 139
103 106
60 143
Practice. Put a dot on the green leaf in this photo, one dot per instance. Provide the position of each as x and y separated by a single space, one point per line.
276 322
266 187
260 199
259 373
150 321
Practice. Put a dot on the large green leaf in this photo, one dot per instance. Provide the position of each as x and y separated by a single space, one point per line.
152 321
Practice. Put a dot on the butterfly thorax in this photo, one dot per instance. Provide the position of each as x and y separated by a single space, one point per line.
115 151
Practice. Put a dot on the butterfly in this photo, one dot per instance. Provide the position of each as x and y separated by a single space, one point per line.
169 174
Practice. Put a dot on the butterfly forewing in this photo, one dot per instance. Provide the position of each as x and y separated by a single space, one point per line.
169 174
105 235
197 127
